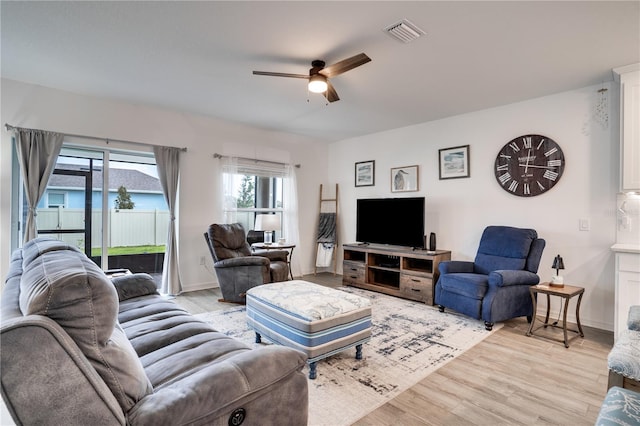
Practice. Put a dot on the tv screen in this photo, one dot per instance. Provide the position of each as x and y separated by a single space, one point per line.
393 221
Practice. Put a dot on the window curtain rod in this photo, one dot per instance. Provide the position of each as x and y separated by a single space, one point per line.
107 140
216 155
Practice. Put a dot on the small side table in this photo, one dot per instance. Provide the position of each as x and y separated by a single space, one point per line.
566 292
277 246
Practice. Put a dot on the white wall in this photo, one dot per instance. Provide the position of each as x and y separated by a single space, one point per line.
26 105
459 209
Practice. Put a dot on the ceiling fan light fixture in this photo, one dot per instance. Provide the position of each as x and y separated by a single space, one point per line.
317 83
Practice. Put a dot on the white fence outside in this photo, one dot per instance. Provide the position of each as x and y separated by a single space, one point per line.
127 227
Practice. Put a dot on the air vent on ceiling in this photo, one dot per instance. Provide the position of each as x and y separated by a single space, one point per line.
404 31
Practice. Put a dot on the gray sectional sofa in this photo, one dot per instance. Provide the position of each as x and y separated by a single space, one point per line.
79 348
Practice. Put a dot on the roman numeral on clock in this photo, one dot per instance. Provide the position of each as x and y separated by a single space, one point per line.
503 167
551 151
514 147
513 186
541 186
540 144
504 178
527 142
554 163
551 175
527 190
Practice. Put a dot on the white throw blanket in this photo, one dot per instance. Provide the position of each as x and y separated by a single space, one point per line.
325 254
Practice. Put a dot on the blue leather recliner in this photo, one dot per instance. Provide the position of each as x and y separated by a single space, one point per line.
495 287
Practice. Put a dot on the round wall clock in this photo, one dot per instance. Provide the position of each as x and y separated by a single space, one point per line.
529 165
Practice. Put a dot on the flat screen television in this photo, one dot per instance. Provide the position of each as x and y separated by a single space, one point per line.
393 221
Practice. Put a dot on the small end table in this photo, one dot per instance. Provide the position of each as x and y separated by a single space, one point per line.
566 292
277 246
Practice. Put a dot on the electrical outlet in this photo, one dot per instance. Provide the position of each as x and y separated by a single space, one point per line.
201 260
585 225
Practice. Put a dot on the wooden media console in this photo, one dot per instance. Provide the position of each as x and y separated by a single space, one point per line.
397 271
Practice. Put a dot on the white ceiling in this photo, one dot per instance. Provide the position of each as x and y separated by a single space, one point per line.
198 57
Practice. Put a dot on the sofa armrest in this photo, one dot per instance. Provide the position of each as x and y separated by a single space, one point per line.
269 378
242 261
503 278
455 267
134 285
46 379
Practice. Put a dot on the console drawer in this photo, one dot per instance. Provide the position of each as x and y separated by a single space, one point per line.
353 272
416 288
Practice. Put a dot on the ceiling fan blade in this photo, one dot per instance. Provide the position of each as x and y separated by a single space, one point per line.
281 74
345 65
331 93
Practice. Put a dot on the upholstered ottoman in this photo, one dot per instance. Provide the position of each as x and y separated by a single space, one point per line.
314 319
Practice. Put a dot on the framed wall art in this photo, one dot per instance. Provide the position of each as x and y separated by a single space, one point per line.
404 179
454 162
365 173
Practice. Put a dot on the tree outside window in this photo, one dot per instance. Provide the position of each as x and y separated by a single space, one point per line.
123 200
246 194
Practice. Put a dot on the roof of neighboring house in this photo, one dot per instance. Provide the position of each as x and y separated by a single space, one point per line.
133 180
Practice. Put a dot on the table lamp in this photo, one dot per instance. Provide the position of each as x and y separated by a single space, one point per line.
557 280
269 223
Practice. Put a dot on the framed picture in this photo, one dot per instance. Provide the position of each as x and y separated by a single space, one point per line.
454 162
366 173
404 179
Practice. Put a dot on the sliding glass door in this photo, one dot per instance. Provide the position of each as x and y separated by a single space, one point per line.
72 225
107 203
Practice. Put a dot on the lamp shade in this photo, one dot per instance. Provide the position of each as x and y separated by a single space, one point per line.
558 263
267 222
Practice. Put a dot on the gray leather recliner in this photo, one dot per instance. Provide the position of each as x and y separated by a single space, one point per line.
238 268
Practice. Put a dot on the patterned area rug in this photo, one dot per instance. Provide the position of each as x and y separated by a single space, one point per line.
409 341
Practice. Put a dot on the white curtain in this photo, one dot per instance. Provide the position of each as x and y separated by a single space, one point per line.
290 216
168 163
229 206
37 153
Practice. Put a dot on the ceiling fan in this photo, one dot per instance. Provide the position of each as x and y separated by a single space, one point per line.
319 74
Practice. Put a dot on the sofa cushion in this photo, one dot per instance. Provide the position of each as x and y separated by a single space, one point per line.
134 285
464 284
171 343
64 285
228 241
503 247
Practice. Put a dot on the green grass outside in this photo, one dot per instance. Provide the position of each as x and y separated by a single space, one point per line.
115 251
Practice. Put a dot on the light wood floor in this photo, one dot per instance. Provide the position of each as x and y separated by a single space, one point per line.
507 379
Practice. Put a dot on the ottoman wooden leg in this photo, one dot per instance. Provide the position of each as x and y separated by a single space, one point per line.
258 338
359 351
312 370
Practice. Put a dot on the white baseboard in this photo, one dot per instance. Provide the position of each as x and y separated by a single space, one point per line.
199 286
